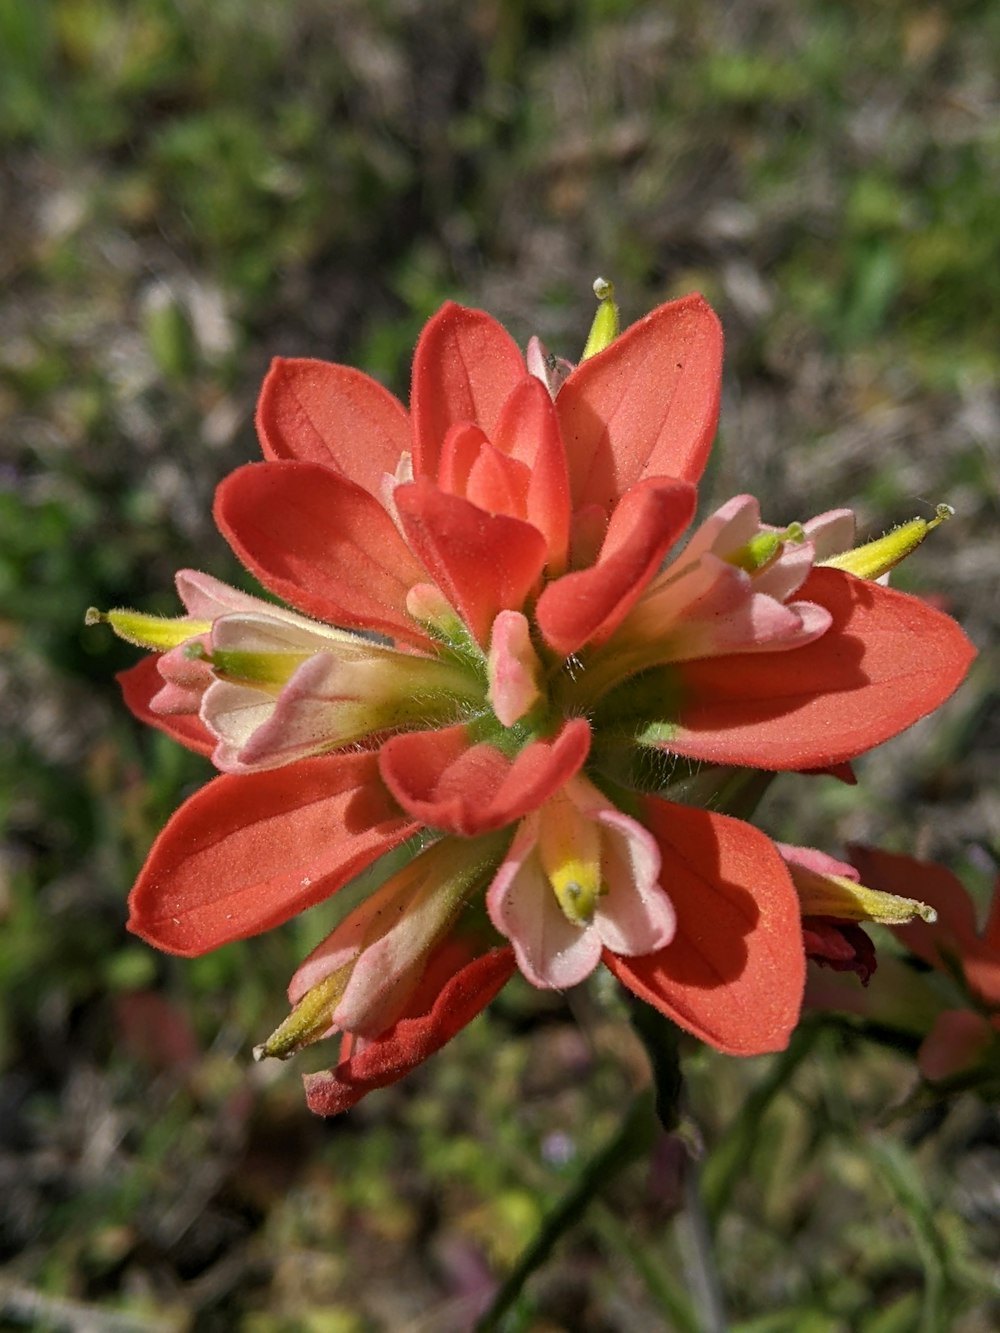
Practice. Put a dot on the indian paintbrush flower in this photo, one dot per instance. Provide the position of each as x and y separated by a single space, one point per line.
487 660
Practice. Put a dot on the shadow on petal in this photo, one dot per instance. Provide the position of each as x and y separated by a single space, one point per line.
734 972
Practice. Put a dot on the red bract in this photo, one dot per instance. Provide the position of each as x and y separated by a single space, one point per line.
734 971
486 654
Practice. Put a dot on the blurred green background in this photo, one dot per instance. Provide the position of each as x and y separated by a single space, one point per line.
188 188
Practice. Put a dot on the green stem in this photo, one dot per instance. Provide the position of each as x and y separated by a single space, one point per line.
654 1272
661 1040
631 1141
730 1158
694 1237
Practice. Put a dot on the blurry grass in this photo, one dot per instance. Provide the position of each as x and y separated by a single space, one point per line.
188 189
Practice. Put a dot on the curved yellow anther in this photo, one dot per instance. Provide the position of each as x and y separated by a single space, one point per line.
842 898
158 633
878 557
251 668
757 552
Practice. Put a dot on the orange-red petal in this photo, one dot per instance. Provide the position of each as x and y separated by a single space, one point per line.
483 563
248 852
321 543
464 366
528 430
646 406
991 931
887 660
735 970
139 684
318 412
588 605
955 1044
448 783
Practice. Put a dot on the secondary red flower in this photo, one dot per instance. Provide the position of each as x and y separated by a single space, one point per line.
962 1035
539 685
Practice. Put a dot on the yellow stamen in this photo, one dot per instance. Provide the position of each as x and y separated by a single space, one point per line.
158 633
604 329
570 850
877 557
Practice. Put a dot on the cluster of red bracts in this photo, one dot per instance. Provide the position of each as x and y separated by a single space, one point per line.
489 661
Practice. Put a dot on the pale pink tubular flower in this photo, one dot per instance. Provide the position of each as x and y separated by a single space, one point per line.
580 877
951 1006
368 967
727 592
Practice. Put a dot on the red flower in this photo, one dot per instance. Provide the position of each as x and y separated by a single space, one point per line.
960 1036
533 667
